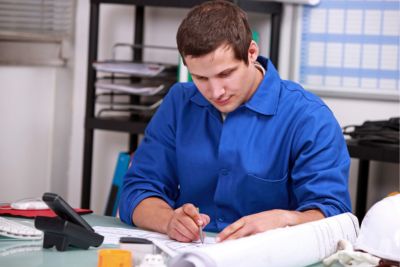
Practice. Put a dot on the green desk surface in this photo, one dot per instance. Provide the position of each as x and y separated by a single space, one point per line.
30 254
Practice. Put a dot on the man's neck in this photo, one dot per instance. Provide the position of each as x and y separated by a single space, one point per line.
260 68
259 72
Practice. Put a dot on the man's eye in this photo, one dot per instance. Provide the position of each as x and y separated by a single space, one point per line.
225 74
201 78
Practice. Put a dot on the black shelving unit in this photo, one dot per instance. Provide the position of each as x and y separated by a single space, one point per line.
366 153
136 125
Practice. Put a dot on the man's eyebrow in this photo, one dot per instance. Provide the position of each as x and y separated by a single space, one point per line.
228 70
220 73
196 75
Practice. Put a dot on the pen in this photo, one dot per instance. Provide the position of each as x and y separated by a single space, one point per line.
201 234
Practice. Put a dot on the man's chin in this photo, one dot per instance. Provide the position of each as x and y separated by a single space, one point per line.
224 109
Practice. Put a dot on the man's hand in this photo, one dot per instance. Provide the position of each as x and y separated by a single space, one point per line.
267 220
181 224
185 222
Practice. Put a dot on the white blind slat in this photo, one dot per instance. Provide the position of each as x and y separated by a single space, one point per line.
52 17
36 32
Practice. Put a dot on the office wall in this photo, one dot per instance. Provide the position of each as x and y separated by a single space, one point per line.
26 128
34 139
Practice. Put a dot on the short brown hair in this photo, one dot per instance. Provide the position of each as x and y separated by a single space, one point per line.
212 24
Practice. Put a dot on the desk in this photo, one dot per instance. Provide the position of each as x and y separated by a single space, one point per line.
366 153
69 258
52 257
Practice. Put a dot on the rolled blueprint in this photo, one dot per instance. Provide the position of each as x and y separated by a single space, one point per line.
299 245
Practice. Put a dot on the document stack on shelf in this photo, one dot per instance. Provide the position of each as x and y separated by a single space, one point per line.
131 89
122 79
116 110
136 89
132 68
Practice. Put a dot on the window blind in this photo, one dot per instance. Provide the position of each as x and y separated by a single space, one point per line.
44 26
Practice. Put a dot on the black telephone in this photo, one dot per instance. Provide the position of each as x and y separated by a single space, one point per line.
68 229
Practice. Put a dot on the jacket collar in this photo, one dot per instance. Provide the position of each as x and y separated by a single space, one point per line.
265 99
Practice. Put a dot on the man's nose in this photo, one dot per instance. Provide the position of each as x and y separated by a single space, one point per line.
216 89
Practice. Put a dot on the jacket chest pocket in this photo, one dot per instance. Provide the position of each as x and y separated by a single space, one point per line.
261 194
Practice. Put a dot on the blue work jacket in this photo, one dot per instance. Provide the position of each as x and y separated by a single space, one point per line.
282 149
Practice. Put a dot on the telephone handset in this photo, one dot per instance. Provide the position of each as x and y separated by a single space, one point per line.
67 229
64 210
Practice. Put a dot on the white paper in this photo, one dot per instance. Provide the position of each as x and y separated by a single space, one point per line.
140 69
300 245
169 246
130 88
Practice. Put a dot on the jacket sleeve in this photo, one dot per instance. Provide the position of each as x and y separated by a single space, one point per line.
321 164
153 169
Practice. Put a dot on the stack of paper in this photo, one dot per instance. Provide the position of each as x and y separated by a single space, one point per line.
130 88
138 69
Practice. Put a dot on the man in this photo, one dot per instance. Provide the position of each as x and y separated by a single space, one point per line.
250 151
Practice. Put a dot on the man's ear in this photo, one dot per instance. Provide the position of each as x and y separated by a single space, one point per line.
253 51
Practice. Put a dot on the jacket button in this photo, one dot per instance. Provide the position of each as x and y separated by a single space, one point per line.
224 172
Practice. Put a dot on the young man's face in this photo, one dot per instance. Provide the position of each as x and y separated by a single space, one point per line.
223 80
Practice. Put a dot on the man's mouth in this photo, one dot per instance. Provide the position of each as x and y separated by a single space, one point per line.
222 102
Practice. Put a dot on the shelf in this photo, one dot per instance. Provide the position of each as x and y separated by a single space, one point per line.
116 124
378 152
141 70
251 6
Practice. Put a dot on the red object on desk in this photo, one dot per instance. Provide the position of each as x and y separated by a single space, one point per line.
8 211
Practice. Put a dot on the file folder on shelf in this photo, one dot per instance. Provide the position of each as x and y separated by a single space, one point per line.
121 167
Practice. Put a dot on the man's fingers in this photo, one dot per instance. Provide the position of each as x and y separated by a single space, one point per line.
177 235
230 230
242 232
193 212
185 223
180 227
188 227
205 218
